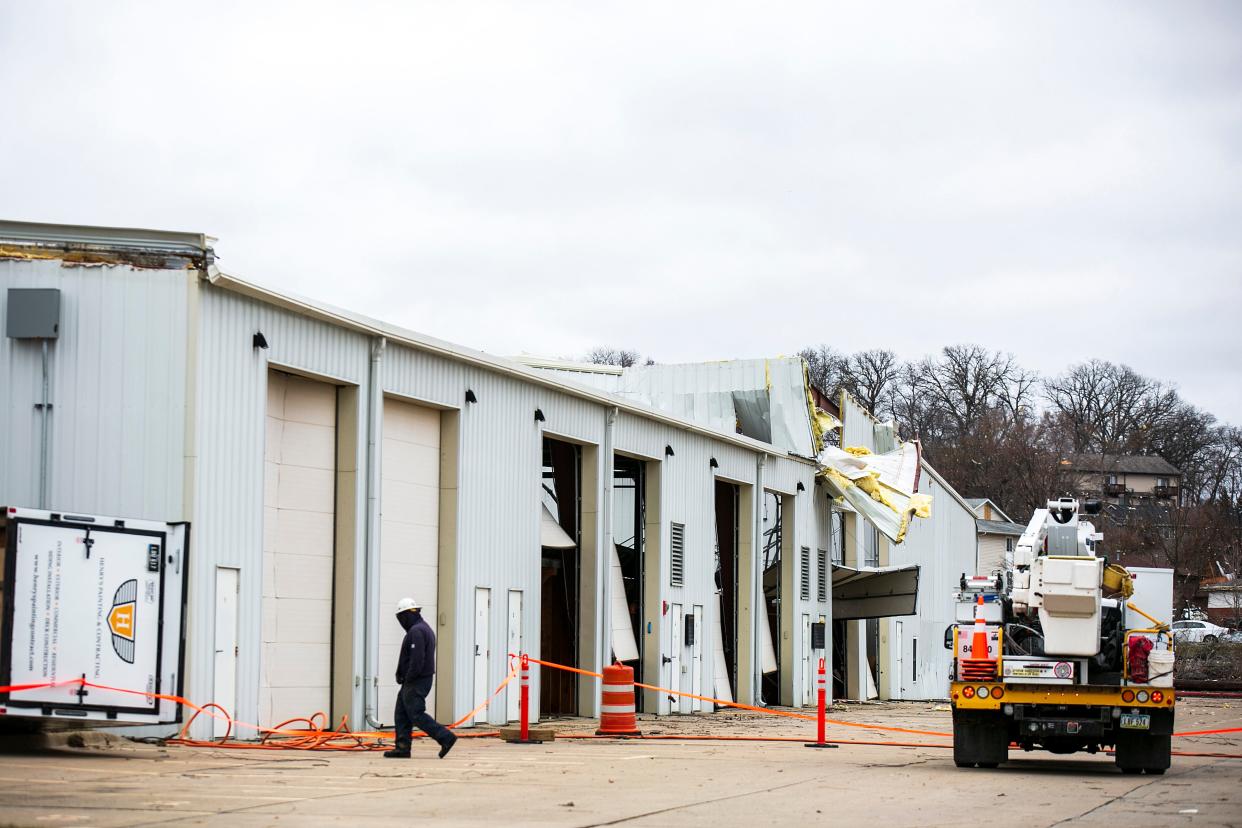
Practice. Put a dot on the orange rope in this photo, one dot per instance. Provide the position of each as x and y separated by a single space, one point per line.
315 736
739 706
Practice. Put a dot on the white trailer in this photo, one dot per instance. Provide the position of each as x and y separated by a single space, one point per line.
93 619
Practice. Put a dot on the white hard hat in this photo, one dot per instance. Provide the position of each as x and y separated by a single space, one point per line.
408 604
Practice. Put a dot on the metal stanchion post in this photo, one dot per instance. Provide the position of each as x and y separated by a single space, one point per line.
524 701
822 683
524 706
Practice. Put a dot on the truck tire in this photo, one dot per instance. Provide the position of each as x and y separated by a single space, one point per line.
1139 752
980 739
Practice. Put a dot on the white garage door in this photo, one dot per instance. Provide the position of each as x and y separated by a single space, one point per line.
298 516
409 529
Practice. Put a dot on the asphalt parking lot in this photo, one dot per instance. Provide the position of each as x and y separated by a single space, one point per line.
676 781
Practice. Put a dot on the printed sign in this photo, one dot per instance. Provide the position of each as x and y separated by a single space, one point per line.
78 613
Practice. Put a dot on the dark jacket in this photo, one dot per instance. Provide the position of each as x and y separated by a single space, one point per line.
418 650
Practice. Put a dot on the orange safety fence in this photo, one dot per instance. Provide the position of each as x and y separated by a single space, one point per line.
806 717
315 736
739 706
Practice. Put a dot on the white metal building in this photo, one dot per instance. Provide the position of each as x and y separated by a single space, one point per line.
330 463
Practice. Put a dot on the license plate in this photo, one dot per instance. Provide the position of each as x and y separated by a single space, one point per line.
1136 721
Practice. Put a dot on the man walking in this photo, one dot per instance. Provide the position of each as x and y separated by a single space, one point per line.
415 670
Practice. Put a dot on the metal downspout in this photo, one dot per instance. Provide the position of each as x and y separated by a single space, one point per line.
43 437
375 407
605 556
757 599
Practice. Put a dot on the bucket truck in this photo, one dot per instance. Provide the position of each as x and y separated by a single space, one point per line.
1054 652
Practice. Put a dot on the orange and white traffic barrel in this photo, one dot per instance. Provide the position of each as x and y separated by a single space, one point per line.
616 710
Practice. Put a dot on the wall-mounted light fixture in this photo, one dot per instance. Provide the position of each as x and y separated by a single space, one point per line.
259 340
801 488
470 397
668 451
539 418
713 463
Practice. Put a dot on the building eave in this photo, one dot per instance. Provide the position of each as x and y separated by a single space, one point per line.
499 365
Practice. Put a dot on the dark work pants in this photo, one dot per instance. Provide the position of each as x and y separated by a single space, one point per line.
412 712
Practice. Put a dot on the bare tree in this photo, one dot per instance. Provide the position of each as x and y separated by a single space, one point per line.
825 366
871 376
623 357
1111 409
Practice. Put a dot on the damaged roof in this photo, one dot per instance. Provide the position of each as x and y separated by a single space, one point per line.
999 527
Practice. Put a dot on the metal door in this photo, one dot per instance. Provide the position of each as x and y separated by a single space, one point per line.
224 690
696 660
808 664
898 686
675 644
482 654
514 645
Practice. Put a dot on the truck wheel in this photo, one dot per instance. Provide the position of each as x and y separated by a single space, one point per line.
1138 752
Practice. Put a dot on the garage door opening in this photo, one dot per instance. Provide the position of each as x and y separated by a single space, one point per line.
770 618
560 608
628 532
299 517
409 528
725 668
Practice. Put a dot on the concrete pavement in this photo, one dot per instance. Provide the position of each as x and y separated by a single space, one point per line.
647 782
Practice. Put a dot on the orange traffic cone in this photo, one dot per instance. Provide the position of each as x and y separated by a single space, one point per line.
980 666
616 709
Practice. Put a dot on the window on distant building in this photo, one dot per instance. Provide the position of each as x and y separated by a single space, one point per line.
1008 544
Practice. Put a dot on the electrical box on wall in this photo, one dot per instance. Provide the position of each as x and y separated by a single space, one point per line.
93 617
33 313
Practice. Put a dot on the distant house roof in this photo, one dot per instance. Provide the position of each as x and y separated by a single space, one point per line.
1123 463
977 504
999 527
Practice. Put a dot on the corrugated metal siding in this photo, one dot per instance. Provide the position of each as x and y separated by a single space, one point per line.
944 547
228 502
591 379
499 496
858 424
121 378
117 391
783 475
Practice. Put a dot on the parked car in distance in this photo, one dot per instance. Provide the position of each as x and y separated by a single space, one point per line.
1193 632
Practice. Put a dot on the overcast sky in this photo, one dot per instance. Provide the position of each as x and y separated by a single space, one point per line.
1059 180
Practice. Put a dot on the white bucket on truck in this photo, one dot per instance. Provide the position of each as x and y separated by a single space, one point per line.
1160 668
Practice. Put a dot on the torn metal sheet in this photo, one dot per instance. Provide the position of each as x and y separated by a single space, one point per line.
881 487
721 685
551 535
624 647
874 592
767 647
